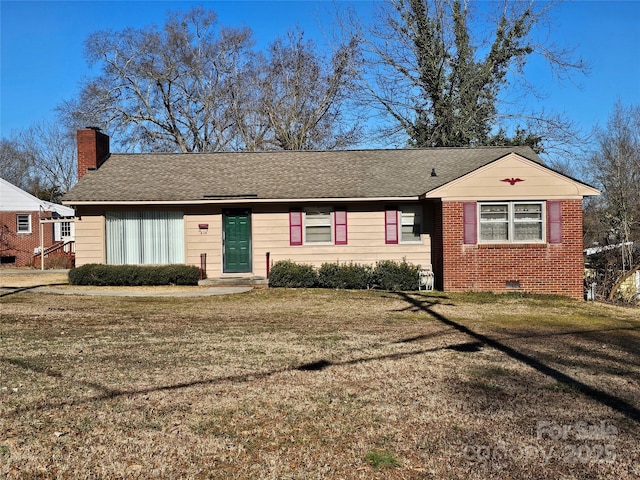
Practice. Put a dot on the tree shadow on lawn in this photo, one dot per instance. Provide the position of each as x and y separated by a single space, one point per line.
6 291
598 395
476 343
111 393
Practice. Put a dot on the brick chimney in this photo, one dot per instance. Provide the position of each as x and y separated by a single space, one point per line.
93 149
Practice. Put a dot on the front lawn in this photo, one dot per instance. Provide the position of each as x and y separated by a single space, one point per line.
303 384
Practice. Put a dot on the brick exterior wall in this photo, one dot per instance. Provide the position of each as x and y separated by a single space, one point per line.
539 268
22 245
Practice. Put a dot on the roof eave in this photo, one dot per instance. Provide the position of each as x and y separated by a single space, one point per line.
236 200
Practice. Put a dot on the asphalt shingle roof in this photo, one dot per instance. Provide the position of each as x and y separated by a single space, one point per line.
279 175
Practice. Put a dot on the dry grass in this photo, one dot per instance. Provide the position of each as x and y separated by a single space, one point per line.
317 384
29 278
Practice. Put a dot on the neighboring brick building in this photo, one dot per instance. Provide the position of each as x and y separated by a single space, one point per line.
486 219
20 223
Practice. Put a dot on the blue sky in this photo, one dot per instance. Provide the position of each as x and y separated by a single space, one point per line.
42 58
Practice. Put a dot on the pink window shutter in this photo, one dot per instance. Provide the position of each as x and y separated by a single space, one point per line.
295 228
391 226
554 222
340 221
470 223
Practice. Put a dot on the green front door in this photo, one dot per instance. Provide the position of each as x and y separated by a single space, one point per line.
236 239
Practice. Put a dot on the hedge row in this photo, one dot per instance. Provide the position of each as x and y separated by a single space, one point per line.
134 275
385 275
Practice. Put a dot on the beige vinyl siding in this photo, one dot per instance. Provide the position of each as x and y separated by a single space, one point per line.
207 241
537 182
366 241
270 233
90 231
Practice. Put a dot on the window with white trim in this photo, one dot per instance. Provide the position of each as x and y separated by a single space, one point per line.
23 221
502 222
144 237
318 225
410 224
65 229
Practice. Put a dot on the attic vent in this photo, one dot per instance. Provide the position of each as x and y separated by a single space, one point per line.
221 197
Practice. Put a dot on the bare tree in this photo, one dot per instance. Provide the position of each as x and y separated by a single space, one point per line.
166 88
54 154
615 168
194 86
613 220
40 159
443 85
305 96
16 166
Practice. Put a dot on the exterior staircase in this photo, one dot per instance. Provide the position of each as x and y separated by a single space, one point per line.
62 251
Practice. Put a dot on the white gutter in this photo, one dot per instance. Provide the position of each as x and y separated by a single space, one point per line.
245 200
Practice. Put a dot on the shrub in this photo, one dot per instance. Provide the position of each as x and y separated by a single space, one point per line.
288 274
56 261
350 276
389 275
134 275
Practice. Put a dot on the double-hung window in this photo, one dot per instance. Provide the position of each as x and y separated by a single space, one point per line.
502 222
23 222
317 225
411 224
403 225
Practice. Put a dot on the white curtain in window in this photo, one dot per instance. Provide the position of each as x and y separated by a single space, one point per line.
527 221
494 222
145 237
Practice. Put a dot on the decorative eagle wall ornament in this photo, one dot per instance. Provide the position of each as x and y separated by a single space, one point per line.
512 181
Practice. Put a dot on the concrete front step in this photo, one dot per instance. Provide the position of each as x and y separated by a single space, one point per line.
235 281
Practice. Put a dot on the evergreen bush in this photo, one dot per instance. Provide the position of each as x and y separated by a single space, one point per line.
386 275
395 276
134 275
288 274
350 276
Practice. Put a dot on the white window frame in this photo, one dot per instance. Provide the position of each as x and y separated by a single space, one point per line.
145 237
65 229
18 229
416 211
512 222
308 212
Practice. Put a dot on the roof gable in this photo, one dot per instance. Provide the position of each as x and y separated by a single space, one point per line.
512 177
14 199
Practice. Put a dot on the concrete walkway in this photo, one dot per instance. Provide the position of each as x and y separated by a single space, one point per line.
107 292
30 271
